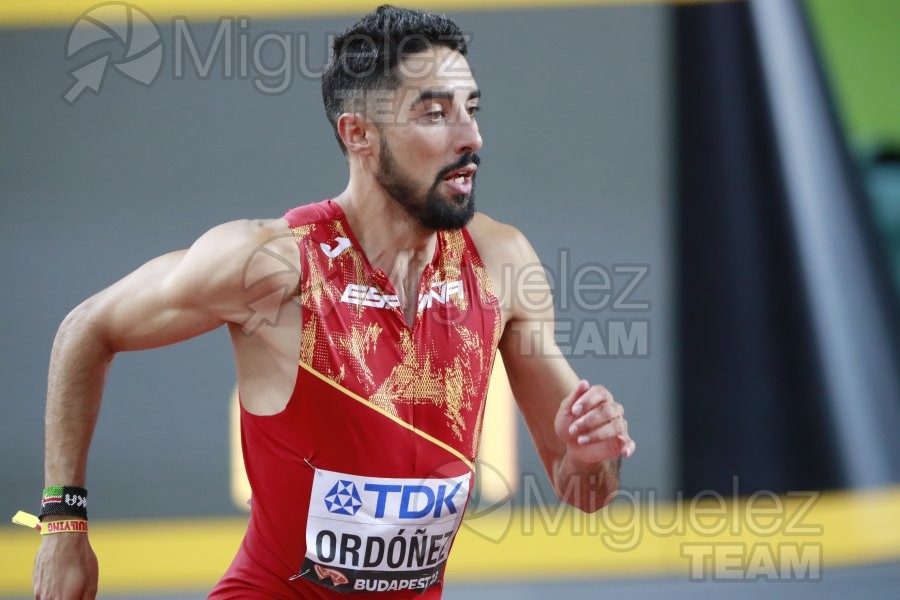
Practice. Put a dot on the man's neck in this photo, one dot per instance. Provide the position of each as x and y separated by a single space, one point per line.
391 239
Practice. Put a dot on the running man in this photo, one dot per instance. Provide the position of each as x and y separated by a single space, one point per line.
361 406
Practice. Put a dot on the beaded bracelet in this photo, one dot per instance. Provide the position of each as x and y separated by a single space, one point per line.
65 501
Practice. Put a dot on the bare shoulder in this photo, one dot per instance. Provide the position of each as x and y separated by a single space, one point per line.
248 234
239 242
499 244
509 259
241 257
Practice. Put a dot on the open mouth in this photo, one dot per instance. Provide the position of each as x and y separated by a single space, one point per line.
462 177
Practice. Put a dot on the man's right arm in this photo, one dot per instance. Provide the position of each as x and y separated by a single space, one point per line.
169 299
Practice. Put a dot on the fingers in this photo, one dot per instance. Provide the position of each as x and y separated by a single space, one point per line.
596 415
591 398
599 419
582 387
593 424
617 428
630 447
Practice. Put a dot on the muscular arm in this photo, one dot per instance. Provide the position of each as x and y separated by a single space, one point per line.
147 308
578 430
169 299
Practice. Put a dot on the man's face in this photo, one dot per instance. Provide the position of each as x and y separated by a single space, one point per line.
429 141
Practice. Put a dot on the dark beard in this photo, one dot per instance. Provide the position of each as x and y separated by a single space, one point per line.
432 211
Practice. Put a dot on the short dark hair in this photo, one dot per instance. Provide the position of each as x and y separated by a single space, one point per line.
366 55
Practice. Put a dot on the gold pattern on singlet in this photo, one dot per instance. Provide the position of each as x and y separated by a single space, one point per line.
319 293
416 381
487 297
308 342
354 258
301 231
454 247
314 351
428 372
453 251
355 347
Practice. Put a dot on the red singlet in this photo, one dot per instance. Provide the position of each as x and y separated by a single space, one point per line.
360 483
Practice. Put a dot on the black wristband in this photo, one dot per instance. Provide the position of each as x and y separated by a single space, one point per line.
64 500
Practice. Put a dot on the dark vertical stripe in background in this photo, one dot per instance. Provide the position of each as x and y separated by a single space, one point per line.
751 397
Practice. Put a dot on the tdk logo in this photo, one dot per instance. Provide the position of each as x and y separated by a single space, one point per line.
343 499
413 501
379 502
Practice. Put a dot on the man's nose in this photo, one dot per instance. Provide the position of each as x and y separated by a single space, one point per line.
468 137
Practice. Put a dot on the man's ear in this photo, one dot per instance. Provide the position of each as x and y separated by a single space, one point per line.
356 133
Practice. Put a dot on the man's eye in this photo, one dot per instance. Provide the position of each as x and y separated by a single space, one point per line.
473 110
434 115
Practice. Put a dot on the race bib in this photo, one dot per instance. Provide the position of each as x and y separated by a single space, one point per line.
380 534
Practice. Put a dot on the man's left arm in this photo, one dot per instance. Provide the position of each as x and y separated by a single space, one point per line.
579 430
